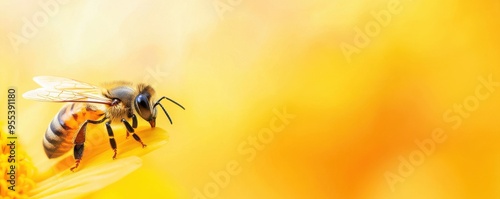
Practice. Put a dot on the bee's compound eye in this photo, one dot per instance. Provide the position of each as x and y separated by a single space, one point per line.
142 107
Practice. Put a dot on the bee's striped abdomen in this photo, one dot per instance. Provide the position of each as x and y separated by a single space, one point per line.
63 128
58 137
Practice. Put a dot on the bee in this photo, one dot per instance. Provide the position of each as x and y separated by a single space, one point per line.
113 102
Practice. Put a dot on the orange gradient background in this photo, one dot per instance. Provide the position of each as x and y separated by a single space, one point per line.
352 119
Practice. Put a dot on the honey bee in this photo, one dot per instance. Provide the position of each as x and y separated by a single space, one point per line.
114 102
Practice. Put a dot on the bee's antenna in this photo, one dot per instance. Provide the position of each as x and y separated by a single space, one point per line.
163 111
158 103
171 101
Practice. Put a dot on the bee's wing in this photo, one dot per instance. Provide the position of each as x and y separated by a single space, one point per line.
59 89
61 83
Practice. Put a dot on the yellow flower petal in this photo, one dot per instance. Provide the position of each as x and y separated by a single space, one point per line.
96 170
152 137
71 185
98 150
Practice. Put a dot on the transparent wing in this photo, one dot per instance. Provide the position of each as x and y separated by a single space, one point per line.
59 89
61 83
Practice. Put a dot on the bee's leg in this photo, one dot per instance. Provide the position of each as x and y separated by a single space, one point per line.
79 145
112 141
131 130
134 122
80 140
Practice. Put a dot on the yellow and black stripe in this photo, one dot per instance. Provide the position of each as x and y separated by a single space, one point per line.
61 131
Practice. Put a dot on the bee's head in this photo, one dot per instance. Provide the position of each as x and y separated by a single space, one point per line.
145 106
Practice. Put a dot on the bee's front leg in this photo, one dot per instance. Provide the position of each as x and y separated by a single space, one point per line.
131 130
134 122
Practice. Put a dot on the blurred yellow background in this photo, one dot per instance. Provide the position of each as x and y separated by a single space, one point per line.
234 64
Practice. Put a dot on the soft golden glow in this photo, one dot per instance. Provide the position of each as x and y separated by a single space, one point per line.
355 115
